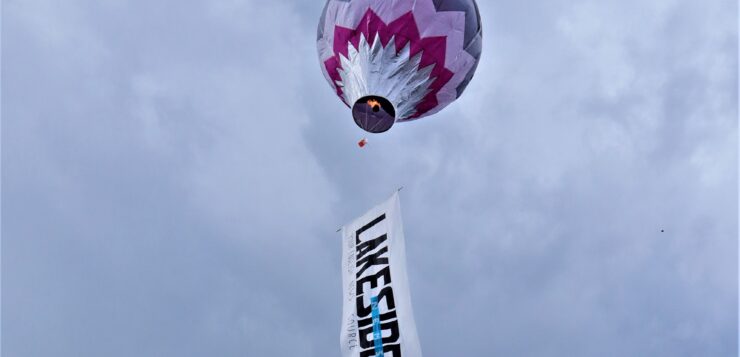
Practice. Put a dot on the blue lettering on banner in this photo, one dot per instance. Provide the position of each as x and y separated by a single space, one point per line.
377 335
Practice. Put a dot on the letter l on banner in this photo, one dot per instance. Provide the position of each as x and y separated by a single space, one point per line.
377 318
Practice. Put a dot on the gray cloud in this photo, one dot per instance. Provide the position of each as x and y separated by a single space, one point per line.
173 175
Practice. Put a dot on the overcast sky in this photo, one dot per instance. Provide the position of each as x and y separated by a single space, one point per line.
173 174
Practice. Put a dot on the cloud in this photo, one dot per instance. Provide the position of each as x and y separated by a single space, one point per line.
173 175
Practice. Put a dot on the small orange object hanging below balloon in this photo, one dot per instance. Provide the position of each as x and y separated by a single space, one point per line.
362 143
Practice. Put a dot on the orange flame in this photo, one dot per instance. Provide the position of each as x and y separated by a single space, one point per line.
373 103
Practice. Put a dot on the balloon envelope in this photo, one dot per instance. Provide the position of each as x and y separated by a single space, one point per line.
413 56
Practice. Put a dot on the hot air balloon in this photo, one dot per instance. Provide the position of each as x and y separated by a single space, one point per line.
400 60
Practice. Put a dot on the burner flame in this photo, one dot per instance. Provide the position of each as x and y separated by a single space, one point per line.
374 104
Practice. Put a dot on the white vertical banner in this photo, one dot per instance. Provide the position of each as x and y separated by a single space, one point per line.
377 319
